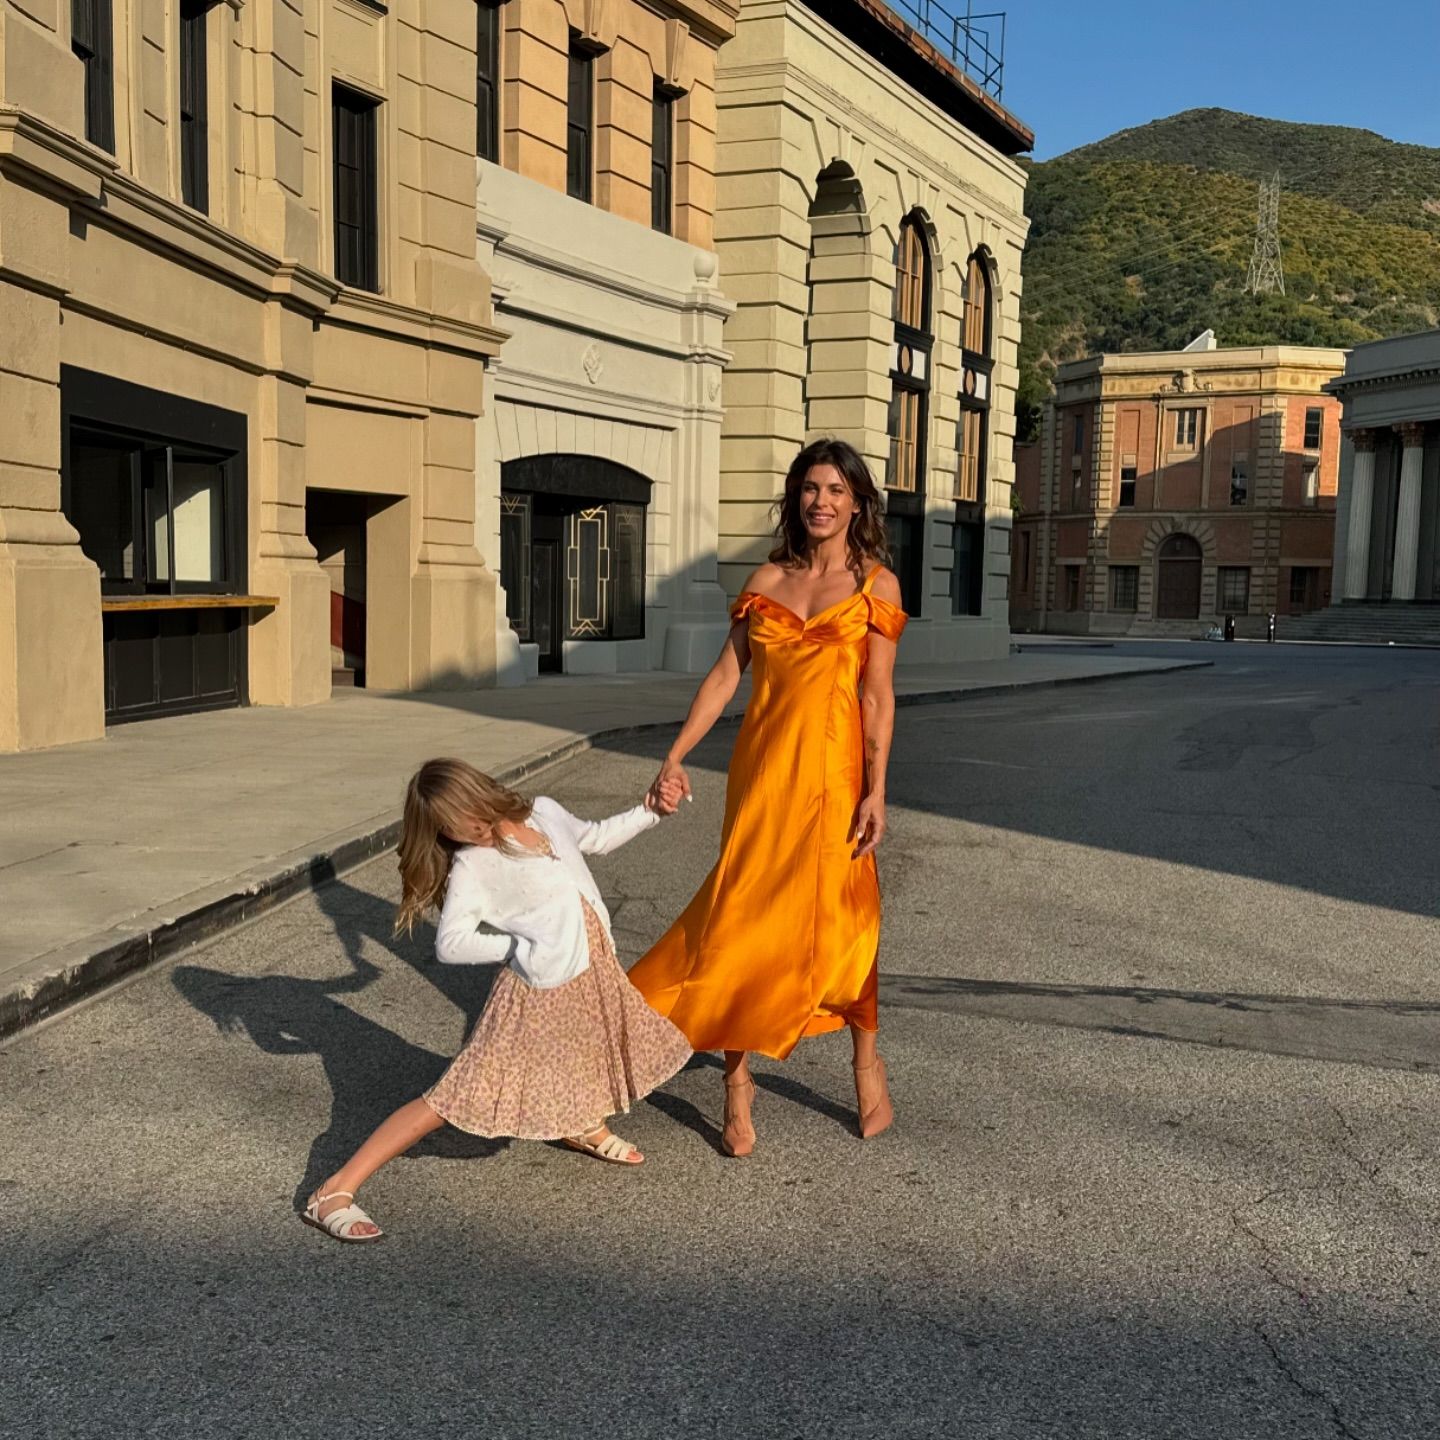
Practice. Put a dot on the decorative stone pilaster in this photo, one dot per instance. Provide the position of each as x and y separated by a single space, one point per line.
1407 518
1357 539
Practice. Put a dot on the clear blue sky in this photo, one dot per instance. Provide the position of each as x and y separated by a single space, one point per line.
1077 70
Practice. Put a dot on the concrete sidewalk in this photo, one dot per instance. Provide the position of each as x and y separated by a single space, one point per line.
121 851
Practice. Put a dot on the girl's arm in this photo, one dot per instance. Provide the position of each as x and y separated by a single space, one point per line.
877 720
458 937
600 837
716 691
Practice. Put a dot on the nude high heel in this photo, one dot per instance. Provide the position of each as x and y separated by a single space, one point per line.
881 1115
737 1138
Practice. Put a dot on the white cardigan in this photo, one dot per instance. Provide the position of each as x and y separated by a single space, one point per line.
530 904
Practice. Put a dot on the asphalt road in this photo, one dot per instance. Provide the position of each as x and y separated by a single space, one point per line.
1160 1012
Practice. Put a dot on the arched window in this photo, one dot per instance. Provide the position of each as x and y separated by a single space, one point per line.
972 439
909 393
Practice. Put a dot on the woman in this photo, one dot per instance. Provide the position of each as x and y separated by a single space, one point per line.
780 941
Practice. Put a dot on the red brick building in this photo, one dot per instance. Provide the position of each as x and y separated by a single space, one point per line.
1171 489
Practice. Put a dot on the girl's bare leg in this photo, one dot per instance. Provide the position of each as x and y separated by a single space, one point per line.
406 1127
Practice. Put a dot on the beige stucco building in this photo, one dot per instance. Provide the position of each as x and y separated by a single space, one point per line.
1174 488
869 224
243 330
599 447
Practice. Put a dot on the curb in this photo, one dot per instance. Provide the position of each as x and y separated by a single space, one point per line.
84 968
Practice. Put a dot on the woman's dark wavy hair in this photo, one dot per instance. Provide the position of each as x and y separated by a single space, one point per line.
866 542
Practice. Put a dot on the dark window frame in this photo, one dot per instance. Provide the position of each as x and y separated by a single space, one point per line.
92 41
1126 579
662 160
1224 603
1314 419
155 421
487 79
1239 481
355 126
580 122
194 107
1129 476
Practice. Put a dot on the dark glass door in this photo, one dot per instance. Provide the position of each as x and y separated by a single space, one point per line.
547 626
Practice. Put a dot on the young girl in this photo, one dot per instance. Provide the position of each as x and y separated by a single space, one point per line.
565 1040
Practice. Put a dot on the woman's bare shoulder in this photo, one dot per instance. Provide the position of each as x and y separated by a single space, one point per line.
765 579
884 584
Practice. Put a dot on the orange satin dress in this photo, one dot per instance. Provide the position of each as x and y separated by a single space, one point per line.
781 939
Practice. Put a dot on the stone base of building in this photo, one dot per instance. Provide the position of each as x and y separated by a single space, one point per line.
51 668
691 648
954 642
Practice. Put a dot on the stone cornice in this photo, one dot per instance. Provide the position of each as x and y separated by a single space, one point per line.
91 182
701 300
835 104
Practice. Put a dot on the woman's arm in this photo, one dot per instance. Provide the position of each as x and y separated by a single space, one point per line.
877 720
458 937
716 691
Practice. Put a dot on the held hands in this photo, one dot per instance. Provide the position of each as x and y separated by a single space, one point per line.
672 785
869 825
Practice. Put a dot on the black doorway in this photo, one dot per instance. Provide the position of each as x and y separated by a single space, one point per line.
547 623
572 552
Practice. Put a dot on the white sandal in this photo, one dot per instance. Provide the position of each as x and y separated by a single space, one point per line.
611 1148
339 1224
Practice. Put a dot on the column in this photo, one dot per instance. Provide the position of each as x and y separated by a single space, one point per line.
1407 519
1357 537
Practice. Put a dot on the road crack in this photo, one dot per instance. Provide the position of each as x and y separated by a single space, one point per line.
1283 1366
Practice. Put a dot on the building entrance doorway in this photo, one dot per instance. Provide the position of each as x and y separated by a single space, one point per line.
1178 567
335 523
572 552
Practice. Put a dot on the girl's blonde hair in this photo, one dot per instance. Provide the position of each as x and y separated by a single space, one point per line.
445 797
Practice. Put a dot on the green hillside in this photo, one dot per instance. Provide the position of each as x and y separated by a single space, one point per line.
1142 240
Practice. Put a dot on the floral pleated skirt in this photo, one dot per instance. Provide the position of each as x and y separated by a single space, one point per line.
546 1064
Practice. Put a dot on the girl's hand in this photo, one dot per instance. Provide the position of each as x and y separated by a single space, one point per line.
671 786
869 825
664 797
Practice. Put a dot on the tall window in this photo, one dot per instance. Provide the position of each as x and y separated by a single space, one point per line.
909 394
487 79
662 161
92 38
1240 480
580 124
1124 588
1314 422
1187 429
1232 583
972 441
1129 469
194 105
909 360
357 222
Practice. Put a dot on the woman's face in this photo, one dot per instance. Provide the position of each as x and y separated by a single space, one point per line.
826 504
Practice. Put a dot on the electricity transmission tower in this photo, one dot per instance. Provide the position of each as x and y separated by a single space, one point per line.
1267 273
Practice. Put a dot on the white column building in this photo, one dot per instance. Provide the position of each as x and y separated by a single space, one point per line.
1387 527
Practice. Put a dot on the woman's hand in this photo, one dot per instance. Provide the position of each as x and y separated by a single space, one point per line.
672 785
869 825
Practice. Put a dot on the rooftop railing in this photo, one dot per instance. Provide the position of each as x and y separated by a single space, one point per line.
975 41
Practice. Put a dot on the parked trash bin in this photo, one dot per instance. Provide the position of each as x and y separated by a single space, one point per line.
1229 627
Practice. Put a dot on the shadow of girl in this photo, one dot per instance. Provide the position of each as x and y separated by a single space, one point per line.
370 1070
